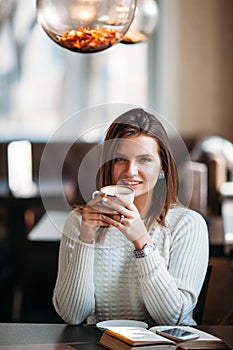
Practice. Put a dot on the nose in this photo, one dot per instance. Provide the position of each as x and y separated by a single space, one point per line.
131 168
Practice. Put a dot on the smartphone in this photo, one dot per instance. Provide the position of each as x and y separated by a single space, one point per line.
177 334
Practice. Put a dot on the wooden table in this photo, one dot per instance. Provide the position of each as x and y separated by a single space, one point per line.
58 336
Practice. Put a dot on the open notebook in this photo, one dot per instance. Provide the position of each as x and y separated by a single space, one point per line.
137 338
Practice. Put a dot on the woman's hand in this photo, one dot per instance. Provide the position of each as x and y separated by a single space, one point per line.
93 217
128 221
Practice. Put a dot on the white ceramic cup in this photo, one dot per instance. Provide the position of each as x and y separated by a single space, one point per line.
124 192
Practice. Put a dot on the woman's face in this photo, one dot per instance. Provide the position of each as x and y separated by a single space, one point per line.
137 164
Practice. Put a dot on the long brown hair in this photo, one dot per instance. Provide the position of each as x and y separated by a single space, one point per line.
133 123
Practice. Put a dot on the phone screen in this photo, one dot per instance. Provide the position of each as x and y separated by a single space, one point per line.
177 334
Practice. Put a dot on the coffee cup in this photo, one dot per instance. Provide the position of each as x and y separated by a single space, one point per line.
123 192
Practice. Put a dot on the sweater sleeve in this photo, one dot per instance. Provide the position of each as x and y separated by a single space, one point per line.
73 296
170 289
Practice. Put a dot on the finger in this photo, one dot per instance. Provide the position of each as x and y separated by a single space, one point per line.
106 209
96 222
117 217
118 200
116 206
119 221
113 221
93 216
100 209
99 204
94 201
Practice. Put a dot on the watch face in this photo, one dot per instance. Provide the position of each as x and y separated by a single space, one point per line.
148 249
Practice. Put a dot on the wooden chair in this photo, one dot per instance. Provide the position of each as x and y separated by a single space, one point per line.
199 308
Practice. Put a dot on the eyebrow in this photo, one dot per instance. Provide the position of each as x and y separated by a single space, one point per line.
140 155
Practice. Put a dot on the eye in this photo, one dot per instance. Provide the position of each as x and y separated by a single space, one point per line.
120 160
145 159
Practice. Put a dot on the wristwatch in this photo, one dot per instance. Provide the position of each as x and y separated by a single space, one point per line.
145 251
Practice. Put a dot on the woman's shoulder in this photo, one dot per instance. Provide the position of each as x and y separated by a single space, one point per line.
72 224
73 217
180 214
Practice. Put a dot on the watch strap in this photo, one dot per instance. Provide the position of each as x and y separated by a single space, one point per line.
145 251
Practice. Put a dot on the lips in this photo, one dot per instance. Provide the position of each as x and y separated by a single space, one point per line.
131 183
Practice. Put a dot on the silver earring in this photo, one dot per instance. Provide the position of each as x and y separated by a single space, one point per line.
161 175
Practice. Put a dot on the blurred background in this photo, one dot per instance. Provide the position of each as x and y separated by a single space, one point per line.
183 72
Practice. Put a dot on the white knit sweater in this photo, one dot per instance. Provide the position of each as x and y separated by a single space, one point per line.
100 282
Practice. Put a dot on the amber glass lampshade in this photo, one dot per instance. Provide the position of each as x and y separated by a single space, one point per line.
144 23
86 25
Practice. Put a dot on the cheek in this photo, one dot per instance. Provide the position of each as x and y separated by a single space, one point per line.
152 175
152 178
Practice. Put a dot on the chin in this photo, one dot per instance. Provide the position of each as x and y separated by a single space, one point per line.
140 194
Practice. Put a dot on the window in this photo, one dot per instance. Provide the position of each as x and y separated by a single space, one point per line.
42 84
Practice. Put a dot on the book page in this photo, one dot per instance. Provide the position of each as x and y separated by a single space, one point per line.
137 335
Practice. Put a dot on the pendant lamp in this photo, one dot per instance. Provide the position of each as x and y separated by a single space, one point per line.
85 26
145 21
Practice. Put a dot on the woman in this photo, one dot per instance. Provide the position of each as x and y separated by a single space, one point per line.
153 260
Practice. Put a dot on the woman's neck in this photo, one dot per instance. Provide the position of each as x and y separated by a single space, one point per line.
143 204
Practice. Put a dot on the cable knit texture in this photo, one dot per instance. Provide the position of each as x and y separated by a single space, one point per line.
100 282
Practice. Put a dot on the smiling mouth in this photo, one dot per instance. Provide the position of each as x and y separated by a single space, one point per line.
131 183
